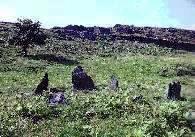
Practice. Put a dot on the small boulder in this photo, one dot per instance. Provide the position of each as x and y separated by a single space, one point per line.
56 97
137 98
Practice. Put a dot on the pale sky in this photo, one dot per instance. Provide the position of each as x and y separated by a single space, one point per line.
161 13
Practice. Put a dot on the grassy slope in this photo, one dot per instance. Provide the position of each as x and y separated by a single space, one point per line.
116 114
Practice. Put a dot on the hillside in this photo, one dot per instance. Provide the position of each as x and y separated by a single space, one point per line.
169 37
165 37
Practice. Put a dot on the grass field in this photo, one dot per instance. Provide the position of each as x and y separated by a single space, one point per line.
113 114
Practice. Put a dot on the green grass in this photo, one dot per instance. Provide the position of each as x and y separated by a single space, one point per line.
114 113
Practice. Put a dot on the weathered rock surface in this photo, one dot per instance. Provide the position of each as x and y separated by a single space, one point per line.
56 97
80 80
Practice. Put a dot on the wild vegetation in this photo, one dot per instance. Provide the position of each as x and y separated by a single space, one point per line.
142 69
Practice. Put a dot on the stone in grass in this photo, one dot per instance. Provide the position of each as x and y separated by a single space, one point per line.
81 81
90 114
56 97
157 98
43 85
173 91
137 98
114 84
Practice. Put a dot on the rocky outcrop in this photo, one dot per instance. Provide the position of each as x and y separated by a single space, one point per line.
166 37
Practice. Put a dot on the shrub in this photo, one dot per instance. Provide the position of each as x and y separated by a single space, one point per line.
27 33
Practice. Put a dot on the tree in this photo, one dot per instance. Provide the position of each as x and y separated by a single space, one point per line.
28 33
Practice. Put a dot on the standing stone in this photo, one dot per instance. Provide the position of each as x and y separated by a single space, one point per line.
80 80
177 90
174 91
43 85
114 84
170 91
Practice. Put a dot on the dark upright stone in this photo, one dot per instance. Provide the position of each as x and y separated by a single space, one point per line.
174 91
43 85
80 80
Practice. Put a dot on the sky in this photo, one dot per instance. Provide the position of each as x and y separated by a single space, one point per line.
159 13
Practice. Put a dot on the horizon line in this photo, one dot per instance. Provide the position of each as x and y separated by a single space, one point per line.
105 26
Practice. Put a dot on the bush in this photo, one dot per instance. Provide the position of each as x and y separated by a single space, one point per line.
27 33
